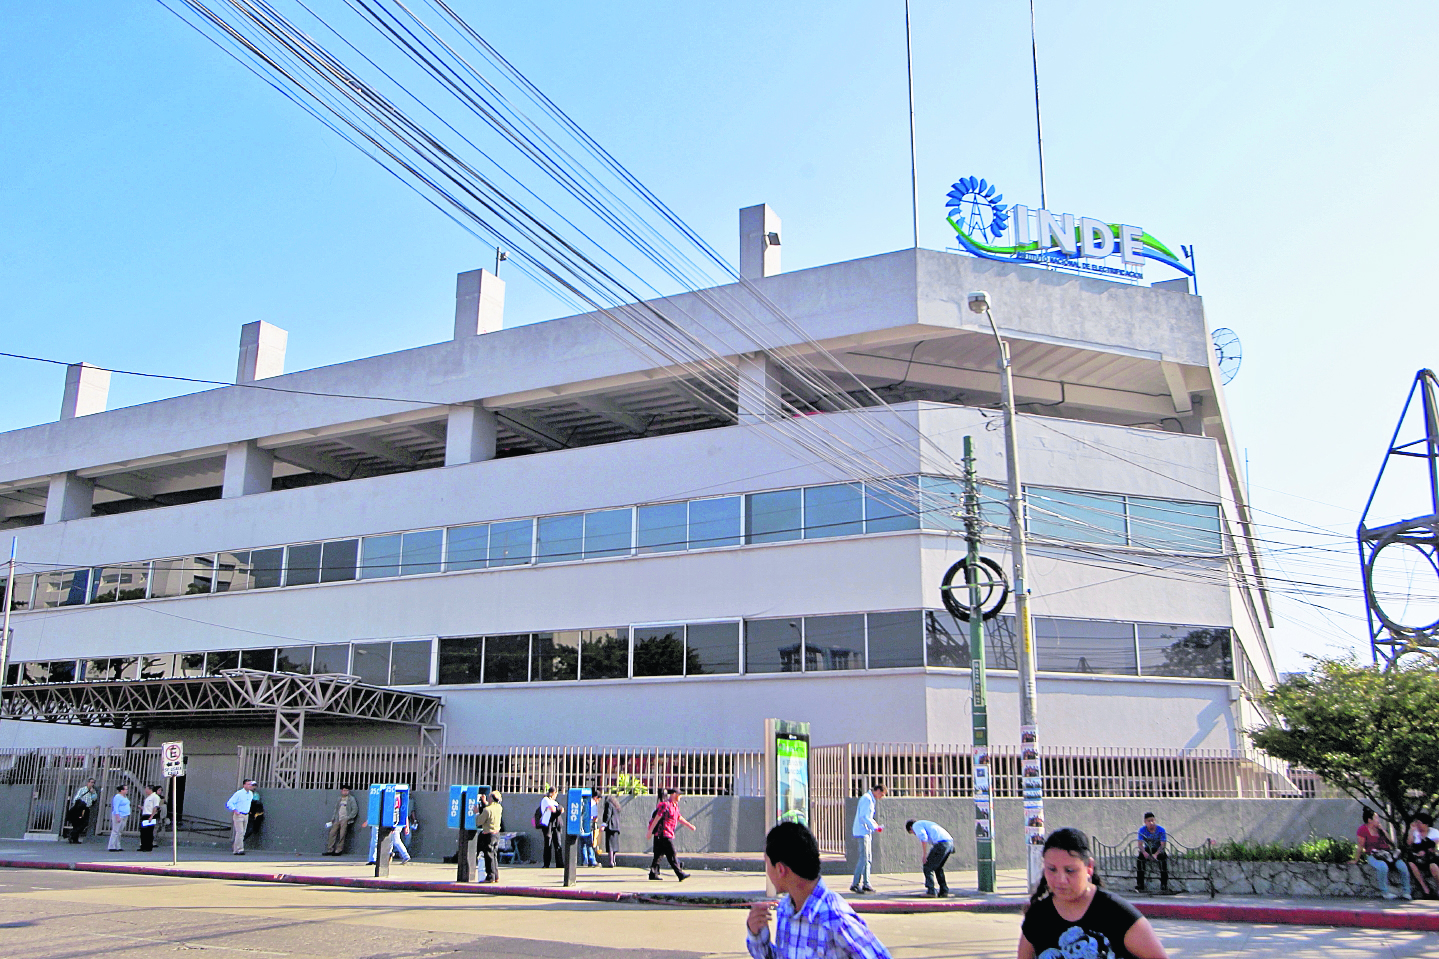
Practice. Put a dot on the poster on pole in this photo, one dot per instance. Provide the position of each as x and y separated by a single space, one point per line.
1032 784
790 744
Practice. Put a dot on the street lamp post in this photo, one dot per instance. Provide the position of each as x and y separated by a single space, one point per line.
1033 785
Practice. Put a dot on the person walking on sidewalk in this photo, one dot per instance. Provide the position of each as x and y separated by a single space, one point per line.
82 810
610 817
239 805
1069 915
935 848
864 829
810 920
663 822
347 810
149 814
119 812
489 823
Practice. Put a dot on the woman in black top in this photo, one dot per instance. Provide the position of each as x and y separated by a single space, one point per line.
1070 917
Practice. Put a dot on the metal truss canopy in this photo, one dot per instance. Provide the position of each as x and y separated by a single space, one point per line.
235 697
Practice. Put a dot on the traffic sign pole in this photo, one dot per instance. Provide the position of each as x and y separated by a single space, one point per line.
173 755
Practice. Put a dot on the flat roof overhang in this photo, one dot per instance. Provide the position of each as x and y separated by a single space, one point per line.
235 697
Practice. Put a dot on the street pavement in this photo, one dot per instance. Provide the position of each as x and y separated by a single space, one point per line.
63 914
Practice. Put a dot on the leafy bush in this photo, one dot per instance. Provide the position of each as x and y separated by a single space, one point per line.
1325 850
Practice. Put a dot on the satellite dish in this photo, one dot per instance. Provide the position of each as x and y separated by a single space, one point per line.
1228 353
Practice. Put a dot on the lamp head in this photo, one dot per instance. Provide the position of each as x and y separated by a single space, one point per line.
978 301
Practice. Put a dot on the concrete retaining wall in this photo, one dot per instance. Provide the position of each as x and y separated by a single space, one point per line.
1271 879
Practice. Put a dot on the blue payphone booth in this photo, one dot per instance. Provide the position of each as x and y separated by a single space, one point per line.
389 809
466 801
578 822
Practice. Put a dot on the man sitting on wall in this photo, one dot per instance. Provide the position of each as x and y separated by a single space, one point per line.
1152 839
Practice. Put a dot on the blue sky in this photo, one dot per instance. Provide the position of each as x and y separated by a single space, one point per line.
156 196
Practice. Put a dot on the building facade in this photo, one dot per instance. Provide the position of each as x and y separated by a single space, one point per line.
547 530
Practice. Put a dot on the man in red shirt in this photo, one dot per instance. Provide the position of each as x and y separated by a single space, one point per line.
663 822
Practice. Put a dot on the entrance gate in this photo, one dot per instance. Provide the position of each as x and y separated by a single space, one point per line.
56 775
828 789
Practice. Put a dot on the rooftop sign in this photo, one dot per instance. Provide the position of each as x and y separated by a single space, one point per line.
994 230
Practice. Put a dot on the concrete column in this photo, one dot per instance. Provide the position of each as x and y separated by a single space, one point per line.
248 469
87 390
70 497
759 389
470 434
479 303
758 242
262 352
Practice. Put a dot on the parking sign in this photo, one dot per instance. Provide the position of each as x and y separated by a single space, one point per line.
174 757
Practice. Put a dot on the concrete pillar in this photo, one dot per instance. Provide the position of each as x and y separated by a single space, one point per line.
470 434
479 303
87 389
758 242
248 469
262 352
70 497
759 389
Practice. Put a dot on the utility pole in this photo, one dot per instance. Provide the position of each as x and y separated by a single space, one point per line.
5 629
1032 785
979 684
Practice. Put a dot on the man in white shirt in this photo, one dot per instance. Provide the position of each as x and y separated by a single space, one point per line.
119 812
82 810
239 806
935 847
149 814
864 829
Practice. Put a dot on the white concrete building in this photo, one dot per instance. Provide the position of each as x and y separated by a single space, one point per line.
538 526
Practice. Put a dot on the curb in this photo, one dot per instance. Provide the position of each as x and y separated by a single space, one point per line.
1153 909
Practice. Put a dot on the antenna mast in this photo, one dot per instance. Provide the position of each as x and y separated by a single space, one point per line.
1038 126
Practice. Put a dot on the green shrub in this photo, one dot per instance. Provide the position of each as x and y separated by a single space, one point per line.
1313 849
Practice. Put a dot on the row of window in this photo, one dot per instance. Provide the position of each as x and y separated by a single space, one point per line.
841 509
906 638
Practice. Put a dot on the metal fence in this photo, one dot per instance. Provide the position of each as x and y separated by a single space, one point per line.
56 773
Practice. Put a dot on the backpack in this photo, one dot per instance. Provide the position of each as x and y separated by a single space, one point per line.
539 812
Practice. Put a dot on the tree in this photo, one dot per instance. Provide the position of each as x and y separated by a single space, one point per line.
1371 731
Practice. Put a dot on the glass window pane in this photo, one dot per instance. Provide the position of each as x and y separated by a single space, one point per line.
64 588
994 512
267 568
660 528
371 662
557 656
1001 643
834 642
946 641
941 503
896 639
120 583
1170 525
891 505
510 543
257 659
410 663
161 666
659 650
559 538
772 646
605 654
337 560
63 671
833 510
607 533
182 576
460 660
772 517
1202 652
24 592
1075 517
34 672
381 556
113 669
331 658
187 664
714 522
507 659
711 649
233 572
218 662
1084 646
295 659
466 547
302 564
420 551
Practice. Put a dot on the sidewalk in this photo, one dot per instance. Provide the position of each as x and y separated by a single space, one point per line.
894 893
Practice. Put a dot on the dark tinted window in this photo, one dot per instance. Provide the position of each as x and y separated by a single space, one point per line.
267 567
460 659
896 639
507 659
834 642
772 646
1084 646
711 648
295 659
217 662
659 650
605 654
833 510
302 566
410 663
557 655
772 517
371 662
338 559
257 659
333 658
1195 651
